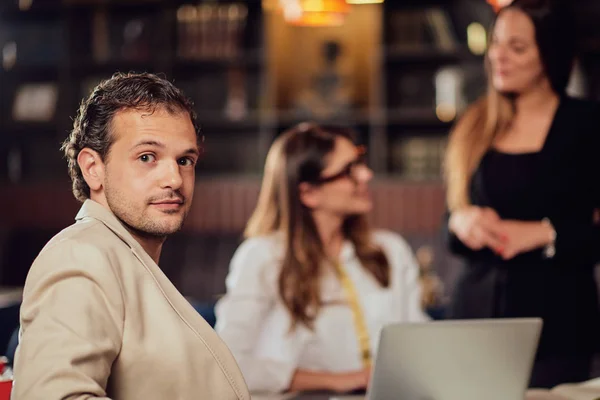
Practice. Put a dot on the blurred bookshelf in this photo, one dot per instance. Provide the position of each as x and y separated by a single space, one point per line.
54 52
401 72
429 75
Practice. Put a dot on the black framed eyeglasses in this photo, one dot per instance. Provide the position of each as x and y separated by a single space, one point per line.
348 170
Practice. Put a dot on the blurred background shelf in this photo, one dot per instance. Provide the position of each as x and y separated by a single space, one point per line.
220 122
31 73
417 116
400 55
194 67
84 68
397 70
29 129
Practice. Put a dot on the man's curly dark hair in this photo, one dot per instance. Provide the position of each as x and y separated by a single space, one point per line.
123 91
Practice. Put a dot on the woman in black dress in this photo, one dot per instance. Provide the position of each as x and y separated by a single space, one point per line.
523 185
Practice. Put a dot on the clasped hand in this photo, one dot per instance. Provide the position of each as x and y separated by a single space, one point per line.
481 227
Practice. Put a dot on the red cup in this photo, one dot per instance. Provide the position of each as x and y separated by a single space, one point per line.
5 389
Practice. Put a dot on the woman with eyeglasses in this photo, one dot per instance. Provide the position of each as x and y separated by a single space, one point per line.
312 285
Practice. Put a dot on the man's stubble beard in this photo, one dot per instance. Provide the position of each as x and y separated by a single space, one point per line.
141 225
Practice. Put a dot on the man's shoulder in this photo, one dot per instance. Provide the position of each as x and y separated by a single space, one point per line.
90 232
81 245
86 251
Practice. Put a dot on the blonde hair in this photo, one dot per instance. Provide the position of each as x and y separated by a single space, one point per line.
472 136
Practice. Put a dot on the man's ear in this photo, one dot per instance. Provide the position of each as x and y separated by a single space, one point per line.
310 195
92 168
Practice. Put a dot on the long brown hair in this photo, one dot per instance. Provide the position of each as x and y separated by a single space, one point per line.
492 114
298 156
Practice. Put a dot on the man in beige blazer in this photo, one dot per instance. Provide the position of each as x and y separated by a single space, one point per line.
99 318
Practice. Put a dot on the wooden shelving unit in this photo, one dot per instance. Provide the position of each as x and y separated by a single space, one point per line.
89 40
392 63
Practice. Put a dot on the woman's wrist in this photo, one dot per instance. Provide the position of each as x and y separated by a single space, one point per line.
452 220
332 381
313 380
548 238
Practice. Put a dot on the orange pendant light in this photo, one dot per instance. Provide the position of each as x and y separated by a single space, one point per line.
498 4
315 12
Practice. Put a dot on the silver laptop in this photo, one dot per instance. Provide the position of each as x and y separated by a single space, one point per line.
455 360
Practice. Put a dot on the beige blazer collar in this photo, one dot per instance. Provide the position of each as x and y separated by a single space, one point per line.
94 210
180 305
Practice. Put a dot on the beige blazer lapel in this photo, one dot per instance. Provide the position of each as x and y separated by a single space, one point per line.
180 305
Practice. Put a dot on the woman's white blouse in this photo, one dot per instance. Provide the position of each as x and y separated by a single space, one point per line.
254 323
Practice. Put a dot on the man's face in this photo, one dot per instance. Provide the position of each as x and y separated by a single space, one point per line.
150 170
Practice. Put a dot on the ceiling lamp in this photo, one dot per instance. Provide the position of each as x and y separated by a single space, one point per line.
498 4
315 12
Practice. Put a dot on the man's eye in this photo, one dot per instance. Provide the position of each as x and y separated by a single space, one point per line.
186 161
145 158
